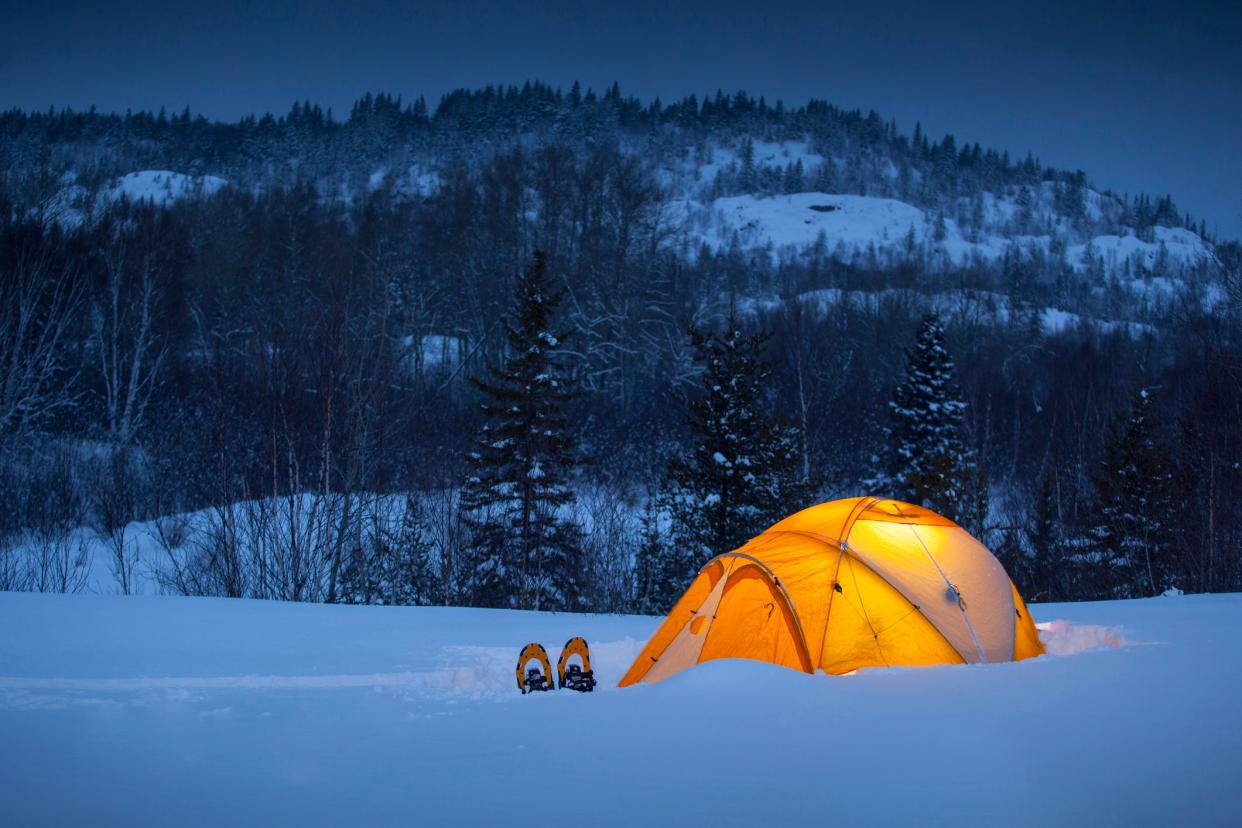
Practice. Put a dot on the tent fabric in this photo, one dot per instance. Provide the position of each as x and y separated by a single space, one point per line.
861 582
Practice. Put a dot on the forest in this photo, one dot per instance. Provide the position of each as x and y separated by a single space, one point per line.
490 353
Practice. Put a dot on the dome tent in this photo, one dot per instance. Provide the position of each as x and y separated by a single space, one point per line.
862 582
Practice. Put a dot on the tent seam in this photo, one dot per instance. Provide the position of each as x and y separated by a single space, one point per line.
842 544
983 658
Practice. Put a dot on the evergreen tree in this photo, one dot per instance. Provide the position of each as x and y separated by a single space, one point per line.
414 580
1049 574
739 475
523 552
927 461
1132 533
825 181
793 177
654 564
747 180
1024 217
1016 557
393 566
359 581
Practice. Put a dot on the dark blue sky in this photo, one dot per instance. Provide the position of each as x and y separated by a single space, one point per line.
1142 95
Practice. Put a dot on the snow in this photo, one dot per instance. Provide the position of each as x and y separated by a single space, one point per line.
72 205
162 186
432 351
845 221
884 232
1055 320
1180 247
1061 638
975 306
854 228
697 175
438 349
420 182
150 710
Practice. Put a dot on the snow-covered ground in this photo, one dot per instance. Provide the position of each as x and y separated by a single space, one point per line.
884 232
73 204
162 711
162 186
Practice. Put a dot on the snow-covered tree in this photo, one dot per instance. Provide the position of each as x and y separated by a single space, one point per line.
740 473
393 564
1131 537
926 460
653 562
524 552
747 177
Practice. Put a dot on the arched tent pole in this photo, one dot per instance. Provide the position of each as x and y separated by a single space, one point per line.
863 504
841 544
803 652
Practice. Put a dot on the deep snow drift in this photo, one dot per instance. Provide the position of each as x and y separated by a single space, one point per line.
148 711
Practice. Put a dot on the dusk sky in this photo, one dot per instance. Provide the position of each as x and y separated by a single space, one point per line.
1143 96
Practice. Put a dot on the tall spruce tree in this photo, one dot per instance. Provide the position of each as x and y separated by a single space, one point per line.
926 460
740 473
524 553
1131 537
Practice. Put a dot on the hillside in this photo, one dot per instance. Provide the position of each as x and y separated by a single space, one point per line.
727 173
198 711
233 317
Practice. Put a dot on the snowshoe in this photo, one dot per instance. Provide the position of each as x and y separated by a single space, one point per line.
576 676
532 678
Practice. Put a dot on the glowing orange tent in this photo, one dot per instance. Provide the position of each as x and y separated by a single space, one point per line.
862 582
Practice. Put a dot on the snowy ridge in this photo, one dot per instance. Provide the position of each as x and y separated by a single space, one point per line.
73 205
1171 248
1022 220
162 187
883 232
864 230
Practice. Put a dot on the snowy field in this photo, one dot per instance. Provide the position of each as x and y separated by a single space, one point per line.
180 711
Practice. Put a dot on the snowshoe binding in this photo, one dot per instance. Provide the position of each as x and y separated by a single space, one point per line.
576 676
534 678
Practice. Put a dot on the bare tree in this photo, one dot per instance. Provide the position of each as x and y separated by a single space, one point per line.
610 536
129 355
14 572
58 560
442 508
116 503
38 305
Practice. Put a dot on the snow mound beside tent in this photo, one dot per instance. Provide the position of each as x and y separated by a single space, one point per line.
118 710
1061 638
